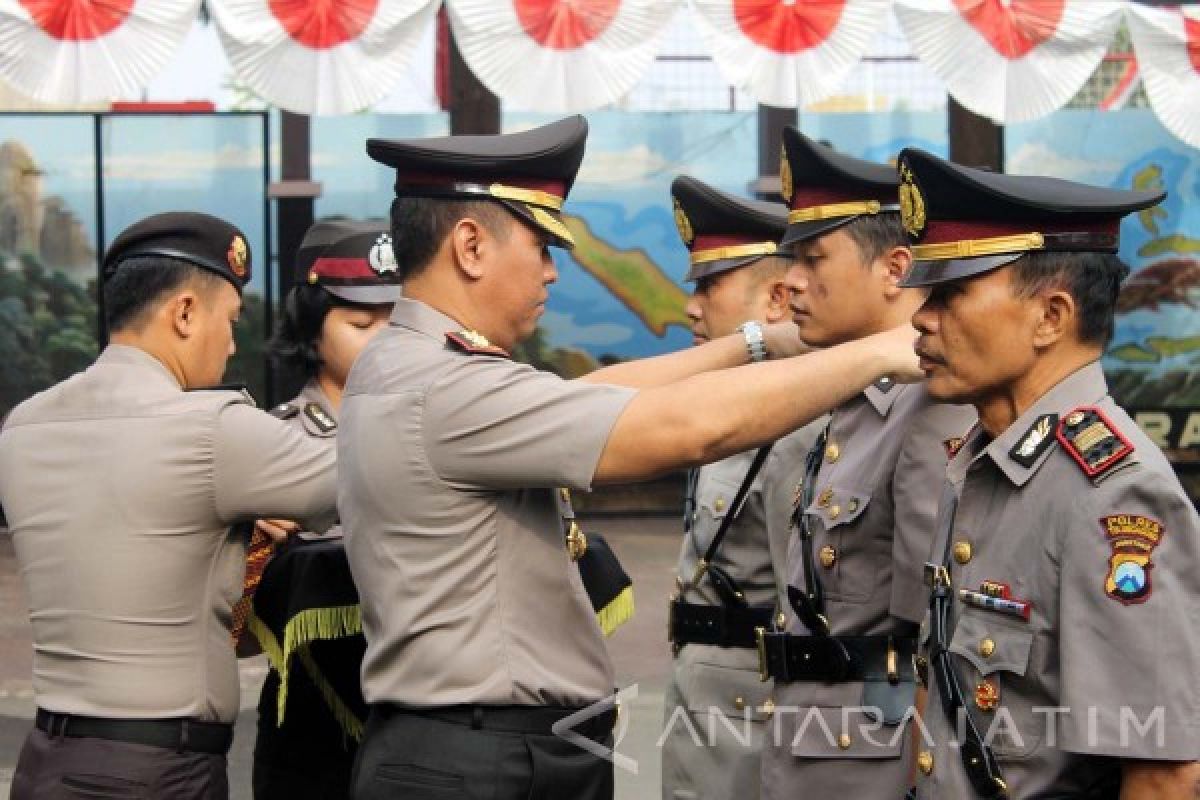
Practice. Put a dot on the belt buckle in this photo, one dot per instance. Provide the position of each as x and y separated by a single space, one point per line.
760 641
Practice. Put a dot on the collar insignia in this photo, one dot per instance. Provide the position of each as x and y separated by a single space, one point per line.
785 177
953 445
684 225
1092 441
474 342
284 411
912 205
319 417
1133 538
381 258
1035 441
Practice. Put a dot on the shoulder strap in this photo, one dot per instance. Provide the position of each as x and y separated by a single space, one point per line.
735 508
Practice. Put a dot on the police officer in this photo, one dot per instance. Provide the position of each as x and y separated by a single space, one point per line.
1062 644
346 283
864 510
728 570
480 636
121 486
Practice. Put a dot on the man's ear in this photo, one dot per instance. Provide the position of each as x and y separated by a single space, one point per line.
182 310
778 301
1058 316
897 261
468 241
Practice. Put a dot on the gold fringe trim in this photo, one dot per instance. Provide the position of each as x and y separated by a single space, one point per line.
616 613
351 725
310 625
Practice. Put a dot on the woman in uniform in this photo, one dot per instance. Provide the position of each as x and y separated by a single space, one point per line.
345 287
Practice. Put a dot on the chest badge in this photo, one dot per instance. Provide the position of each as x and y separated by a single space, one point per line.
1133 538
987 694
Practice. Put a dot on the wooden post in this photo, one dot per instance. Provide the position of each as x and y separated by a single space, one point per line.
975 141
473 108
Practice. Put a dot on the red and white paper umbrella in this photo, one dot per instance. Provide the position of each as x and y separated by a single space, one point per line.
321 56
1167 43
1011 60
789 53
559 55
77 51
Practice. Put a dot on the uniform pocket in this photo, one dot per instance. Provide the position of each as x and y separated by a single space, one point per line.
81 784
847 732
433 782
838 506
735 693
996 657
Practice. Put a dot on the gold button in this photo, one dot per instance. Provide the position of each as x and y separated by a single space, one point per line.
780 621
835 512
925 762
987 647
739 703
719 504
768 707
844 741
832 452
963 552
824 498
852 506
828 556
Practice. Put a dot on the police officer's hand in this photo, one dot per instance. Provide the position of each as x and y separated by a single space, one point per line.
896 346
277 529
783 340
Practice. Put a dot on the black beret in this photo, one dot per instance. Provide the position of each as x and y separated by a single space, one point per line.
199 239
721 230
965 221
825 189
351 259
529 172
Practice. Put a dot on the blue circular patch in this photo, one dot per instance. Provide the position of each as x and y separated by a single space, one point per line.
1130 578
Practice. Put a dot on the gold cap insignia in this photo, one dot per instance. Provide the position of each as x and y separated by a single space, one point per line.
236 256
912 205
550 224
785 176
684 225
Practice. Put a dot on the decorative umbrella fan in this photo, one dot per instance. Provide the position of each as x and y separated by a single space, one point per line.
77 51
1011 60
789 54
1167 43
321 56
559 55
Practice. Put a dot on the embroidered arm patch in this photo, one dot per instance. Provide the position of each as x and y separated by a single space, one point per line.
1133 538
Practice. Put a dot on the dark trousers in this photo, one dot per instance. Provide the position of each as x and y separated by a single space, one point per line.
419 757
69 768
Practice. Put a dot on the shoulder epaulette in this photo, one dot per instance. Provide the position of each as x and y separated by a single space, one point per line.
240 388
474 343
1091 439
284 411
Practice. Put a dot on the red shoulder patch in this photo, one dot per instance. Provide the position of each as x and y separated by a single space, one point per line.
474 344
1092 440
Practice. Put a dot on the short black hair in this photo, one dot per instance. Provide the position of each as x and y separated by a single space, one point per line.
875 234
1092 279
421 224
294 343
141 282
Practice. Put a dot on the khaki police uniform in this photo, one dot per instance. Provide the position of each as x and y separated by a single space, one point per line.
450 456
710 686
121 490
1065 573
871 513
1095 662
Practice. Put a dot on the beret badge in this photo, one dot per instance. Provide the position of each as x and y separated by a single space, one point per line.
912 205
236 256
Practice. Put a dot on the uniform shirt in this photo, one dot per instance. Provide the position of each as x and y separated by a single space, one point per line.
120 490
449 463
1108 663
751 557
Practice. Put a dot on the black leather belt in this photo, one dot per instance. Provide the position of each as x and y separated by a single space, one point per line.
723 626
183 735
538 720
835 659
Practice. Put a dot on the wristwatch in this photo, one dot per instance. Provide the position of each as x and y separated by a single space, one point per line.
756 343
